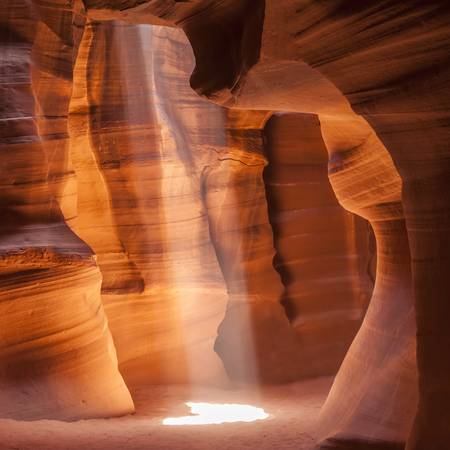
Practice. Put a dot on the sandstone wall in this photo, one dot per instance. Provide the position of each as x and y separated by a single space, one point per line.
376 75
57 355
325 255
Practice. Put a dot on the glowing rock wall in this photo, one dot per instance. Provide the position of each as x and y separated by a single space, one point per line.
165 194
57 355
377 78
174 186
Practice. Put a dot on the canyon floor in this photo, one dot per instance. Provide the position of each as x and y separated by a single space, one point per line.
292 409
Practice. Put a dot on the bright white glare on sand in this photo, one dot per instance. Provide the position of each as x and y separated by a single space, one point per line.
215 413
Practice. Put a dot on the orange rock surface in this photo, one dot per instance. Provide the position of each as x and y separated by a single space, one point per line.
57 357
113 168
325 255
184 240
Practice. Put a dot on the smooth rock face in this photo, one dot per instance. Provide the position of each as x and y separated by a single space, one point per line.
325 255
174 185
56 351
366 182
376 75
139 152
166 195
389 63
57 358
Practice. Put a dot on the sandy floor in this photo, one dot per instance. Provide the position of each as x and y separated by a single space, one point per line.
292 408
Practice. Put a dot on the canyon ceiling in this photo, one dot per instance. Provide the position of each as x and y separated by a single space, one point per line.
228 191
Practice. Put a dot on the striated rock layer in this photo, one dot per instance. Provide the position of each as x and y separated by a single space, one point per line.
366 182
386 61
140 206
57 358
325 255
166 189
172 200
56 351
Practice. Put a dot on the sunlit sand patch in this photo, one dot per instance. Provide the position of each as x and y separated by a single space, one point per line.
216 413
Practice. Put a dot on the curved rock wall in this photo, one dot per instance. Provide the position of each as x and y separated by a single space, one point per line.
57 358
395 74
167 190
325 255
56 352
388 62
255 328
164 292
172 200
374 395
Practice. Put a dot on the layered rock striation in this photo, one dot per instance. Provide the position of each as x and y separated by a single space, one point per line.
57 355
389 63
374 75
165 194
172 200
325 255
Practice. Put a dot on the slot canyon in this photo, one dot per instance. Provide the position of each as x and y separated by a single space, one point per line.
228 215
